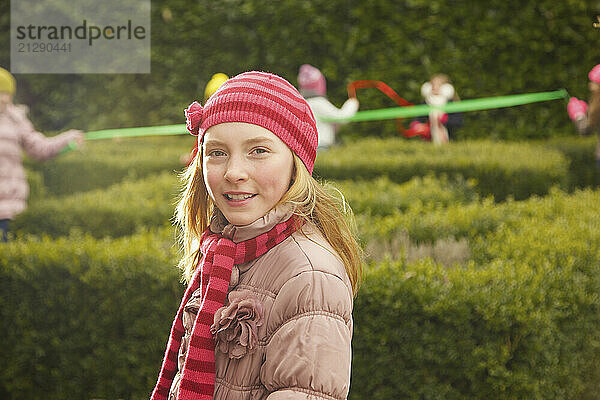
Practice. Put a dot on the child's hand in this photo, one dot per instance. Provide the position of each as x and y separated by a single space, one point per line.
576 108
77 137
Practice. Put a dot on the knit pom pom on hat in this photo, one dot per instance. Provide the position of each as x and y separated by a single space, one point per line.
261 99
594 74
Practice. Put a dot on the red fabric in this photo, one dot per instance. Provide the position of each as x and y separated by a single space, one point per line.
262 99
220 254
419 129
193 118
576 108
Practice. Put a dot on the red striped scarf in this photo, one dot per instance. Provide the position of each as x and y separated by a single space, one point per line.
213 274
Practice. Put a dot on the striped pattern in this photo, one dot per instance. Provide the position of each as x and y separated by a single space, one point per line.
269 101
213 274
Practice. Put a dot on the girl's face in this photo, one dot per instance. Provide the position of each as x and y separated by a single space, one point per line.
246 169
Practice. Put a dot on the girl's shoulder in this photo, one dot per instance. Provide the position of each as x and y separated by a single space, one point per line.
304 256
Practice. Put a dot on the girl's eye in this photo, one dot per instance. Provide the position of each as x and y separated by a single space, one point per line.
259 150
216 153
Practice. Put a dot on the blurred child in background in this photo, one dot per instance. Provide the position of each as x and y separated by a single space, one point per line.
587 118
17 134
314 88
271 264
441 127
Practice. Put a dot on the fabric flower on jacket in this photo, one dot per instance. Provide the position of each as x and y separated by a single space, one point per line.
193 118
236 325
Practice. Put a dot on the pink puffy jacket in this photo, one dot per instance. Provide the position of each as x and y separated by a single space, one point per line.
18 134
299 346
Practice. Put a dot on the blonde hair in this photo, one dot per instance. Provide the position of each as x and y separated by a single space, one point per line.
310 200
445 79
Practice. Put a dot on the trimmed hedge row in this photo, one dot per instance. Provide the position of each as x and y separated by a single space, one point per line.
100 164
425 225
476 222
85 318
526 168
520 321
120 210
504 170
88 318
472 220
582 162
131 205
383 197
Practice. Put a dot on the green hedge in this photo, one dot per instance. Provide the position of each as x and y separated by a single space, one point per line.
503 170
423 224
103 163
476 222
119 210
37 189
582 162
521 321
383 197
85 318
126 207
488 48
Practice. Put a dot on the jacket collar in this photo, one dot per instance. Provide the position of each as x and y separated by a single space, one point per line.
240 233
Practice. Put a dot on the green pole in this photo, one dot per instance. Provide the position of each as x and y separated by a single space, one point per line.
485 103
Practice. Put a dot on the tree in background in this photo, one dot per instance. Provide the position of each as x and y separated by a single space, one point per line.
489 48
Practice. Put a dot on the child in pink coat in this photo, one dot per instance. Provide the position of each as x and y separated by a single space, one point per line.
17 134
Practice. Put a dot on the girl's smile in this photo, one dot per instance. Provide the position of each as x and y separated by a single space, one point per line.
247 169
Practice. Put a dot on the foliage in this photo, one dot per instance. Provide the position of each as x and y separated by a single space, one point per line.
89 286
490 48
85 318
520 321
382 196
104 163
579 151
120 210
131 205
503 170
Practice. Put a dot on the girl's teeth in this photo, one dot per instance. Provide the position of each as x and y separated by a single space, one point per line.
238 197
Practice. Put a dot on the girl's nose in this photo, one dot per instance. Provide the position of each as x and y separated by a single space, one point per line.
236 170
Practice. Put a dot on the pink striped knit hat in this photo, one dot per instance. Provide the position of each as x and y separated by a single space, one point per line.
311 80
262 99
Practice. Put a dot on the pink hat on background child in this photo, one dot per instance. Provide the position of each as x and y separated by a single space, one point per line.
594 74
311 80
261 99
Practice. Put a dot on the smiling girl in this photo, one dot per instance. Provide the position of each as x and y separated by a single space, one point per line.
271 263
